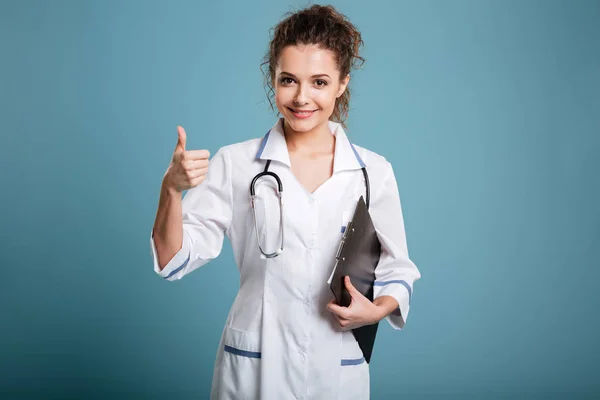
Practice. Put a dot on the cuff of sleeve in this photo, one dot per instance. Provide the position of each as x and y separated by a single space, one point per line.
175 265
398 291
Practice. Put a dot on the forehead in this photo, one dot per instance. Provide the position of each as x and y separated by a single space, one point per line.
307 60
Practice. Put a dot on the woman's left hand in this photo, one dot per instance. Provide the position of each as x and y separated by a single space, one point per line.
361 310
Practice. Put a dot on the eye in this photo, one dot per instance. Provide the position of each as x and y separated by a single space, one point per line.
286 80
320 82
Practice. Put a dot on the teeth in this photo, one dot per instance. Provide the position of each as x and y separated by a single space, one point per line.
302 113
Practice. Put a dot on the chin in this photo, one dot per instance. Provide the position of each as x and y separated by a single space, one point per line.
303 125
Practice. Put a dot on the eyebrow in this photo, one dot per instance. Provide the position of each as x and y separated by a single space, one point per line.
314 76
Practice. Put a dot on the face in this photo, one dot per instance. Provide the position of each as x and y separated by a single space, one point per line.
307 83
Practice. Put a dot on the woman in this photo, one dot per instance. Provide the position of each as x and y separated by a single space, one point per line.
285 338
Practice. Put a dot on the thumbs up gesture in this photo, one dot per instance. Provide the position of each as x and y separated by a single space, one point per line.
188 167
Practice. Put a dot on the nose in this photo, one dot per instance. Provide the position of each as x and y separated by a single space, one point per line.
301 96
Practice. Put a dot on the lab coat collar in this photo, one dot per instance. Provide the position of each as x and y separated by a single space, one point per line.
274 147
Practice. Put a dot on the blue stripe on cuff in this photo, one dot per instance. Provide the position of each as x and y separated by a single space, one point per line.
343 229
355 361
244 353
403 283
178 269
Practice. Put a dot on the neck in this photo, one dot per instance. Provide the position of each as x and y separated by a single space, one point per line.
319 138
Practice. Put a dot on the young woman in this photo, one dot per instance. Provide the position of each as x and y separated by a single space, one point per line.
285 338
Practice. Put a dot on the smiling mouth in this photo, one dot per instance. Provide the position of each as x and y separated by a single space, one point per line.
302 113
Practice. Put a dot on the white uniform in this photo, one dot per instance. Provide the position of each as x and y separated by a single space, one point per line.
280 341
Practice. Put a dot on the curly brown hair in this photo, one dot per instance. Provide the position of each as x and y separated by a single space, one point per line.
325 27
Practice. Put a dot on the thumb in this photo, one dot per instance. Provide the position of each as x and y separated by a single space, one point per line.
181 139
350 287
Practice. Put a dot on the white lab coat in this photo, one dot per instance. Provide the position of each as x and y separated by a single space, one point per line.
280 341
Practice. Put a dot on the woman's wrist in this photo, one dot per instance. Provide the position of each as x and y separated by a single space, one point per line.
385 306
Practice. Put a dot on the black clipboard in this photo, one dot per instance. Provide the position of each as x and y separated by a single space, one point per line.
357 256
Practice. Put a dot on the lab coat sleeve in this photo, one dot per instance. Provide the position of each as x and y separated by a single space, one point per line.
395 273
207 211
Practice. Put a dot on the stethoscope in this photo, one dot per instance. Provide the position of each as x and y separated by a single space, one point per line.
266 172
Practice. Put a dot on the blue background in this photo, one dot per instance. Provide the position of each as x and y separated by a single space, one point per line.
489 112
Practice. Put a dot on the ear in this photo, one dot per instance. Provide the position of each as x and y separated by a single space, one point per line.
343 85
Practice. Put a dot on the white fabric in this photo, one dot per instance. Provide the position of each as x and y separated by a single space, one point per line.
280 312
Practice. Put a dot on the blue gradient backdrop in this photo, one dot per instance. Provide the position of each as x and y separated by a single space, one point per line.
489 112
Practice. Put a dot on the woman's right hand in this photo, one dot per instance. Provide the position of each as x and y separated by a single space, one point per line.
188 167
